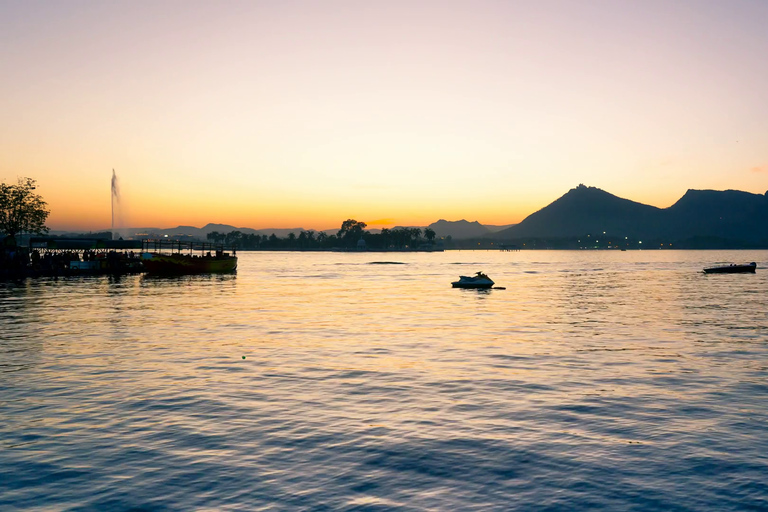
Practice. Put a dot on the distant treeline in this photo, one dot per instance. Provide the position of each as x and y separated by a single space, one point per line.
352 232
348 237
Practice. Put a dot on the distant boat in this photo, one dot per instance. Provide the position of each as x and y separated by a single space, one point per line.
176 263
732 269
479 280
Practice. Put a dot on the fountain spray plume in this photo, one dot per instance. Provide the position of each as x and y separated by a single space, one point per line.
115 200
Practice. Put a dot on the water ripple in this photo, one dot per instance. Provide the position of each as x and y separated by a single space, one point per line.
614 380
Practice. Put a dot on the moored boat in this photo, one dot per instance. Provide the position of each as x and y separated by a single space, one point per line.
174 263
479 280
732 269
84 256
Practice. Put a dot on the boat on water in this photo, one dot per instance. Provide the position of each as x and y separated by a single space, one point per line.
732 269
479 280
177 258
58 256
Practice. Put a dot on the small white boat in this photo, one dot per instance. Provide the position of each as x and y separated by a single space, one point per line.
479 280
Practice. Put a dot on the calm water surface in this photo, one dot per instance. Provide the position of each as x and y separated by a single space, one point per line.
615 380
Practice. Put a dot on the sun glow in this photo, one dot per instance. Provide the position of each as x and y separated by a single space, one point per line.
303 115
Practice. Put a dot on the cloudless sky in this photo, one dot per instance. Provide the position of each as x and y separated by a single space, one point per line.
289 113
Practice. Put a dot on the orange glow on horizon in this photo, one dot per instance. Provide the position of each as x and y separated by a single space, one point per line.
301 114
162 210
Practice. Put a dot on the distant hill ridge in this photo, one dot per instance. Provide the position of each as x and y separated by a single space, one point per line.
462 229
456 229
728 214
459 229
713 214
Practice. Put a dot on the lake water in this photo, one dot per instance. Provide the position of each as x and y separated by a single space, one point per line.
329 381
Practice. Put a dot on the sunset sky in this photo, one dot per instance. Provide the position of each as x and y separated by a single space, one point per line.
304 113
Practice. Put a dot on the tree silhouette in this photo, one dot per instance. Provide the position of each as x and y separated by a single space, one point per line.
21 209
233 238
400 237
386 237
351 230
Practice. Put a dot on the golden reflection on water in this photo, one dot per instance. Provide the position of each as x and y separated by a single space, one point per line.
582 352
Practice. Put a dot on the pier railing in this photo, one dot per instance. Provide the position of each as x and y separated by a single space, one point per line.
178 246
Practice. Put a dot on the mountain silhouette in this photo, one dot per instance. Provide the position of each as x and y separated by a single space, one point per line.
463 229
459 229
699 219
729 214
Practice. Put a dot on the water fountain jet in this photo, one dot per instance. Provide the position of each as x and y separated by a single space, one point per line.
115 201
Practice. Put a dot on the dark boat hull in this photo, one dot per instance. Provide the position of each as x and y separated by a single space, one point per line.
185 264
471 285
732 269
473 282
